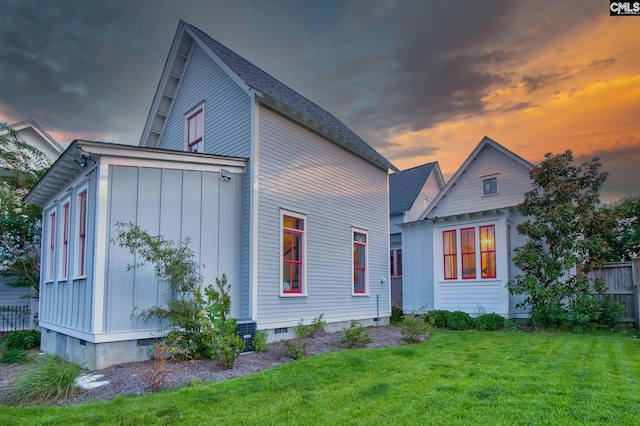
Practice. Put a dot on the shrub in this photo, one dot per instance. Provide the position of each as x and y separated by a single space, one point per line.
610 312
312 330
440 317
296 349
48 380
487 322
396 315
226 345
356 336
14 356
163 351
23 340
459 320
415 328
260 341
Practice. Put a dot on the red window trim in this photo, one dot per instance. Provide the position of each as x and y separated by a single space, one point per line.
82 231
469 274
396 265
198 138
293 262
65 239
487 251
52 246
357 267
452 254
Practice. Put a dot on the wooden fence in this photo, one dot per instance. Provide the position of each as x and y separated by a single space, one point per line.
622 280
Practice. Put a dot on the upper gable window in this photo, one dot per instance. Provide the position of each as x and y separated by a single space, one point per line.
490 186
195 131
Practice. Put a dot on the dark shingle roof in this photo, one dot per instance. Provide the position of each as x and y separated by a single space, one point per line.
258 79
405 186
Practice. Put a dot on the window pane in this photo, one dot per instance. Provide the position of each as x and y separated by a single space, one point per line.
468 247
359 261
490 186
292 222
488 251
450 258
399 262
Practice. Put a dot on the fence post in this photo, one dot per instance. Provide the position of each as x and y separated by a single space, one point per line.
635 266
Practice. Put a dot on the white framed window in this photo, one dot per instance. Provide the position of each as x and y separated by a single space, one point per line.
293 254
490 186
51 245
360 262
396 262
194 129
65 230
81 229
463 247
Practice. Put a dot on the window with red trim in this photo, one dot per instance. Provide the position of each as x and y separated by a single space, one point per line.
396 262
292 254
65 240
52 246
468 253
359 262
82 232
450 255
488 251
195 131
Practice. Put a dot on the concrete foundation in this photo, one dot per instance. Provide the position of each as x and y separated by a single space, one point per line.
93 356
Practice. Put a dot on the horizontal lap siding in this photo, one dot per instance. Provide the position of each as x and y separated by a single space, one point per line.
13 296
176 204
473 297
304 172
227 131
466 195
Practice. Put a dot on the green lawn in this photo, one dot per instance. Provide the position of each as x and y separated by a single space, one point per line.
475 378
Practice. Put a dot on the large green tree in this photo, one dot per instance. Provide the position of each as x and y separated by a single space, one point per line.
21 165
623 234
563 230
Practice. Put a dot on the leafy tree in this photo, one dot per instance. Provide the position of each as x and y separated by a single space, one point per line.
623 228
563 231
21 165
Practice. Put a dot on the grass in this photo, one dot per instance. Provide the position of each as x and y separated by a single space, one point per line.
454 378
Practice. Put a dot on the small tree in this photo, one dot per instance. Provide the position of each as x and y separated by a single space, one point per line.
562 230
21 165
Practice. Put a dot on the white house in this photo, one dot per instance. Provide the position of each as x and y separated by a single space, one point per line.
32 134
273 191
410 193
458 254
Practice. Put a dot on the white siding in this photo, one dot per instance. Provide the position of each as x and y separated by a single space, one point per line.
13 296
303 172
474 296
394 221
466 195
430 190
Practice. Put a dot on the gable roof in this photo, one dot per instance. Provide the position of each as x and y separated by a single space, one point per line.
267 89
50 147
485 143
405 186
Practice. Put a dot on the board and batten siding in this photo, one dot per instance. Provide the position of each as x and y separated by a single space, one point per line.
417 268
176 204
63 303
466 195
302 172
227 131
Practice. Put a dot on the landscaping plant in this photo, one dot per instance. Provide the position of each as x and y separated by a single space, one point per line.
296 349
356 336
48 380
415 327
311 330
260 341
23 340
459 320
489 322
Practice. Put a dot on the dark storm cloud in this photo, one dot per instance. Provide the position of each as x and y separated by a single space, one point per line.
83 69
622 166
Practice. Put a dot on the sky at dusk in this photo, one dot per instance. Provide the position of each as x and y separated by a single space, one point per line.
420 81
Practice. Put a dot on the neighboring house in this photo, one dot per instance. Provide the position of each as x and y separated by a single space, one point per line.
410 193
31 133
272 190
458 254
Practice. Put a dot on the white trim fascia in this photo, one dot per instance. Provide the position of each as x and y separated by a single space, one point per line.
232 74
452 182
172 165
254 190
101 244
103 337
30 123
